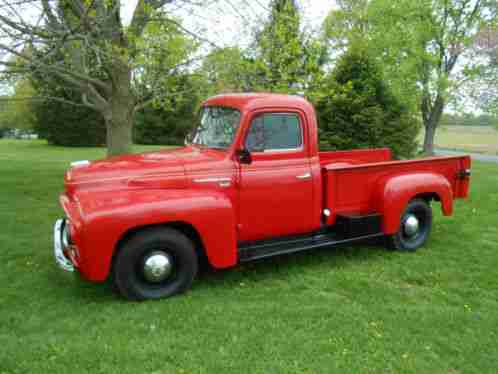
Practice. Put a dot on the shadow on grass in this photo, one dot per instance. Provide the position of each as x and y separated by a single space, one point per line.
73 286
283 267
286 266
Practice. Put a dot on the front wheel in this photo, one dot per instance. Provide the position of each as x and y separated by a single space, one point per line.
415 227
155 263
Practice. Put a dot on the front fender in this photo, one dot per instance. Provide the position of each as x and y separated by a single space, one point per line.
394 193
108 215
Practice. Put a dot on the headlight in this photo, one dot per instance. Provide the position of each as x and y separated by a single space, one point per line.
66 235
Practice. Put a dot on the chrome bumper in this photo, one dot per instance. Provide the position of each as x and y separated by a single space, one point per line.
61 259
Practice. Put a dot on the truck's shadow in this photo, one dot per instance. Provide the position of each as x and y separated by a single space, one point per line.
284 266
276 268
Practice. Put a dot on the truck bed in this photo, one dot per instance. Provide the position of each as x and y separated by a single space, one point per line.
352 187
354 157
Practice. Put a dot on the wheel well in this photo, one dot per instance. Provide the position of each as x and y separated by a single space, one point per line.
185 228
428 196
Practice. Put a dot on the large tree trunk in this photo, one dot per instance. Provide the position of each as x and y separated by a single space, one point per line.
119 134
430 132
431 120
119 116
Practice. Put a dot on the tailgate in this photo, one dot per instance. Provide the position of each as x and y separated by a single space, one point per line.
462 183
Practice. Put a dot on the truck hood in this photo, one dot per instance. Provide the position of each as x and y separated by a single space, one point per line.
162 169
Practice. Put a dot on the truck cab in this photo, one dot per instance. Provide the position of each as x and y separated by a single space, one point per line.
275 178
250 184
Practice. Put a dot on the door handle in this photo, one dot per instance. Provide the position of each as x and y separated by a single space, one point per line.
304 176
222 182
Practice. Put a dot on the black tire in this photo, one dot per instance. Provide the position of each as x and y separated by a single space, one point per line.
128 274
401 241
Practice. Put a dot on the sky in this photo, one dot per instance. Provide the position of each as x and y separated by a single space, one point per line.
229 22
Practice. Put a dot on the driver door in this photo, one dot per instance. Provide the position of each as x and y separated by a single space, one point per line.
276 189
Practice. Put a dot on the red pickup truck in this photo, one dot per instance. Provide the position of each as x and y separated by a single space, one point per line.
252 184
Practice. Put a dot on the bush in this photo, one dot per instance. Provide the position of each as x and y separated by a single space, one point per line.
357 110
69 125
168 126
157 126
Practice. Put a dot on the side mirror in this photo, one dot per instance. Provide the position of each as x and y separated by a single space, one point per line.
244 156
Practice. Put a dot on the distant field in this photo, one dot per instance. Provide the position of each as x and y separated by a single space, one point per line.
468 138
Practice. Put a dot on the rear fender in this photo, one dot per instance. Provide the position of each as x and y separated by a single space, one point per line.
108 216
394 193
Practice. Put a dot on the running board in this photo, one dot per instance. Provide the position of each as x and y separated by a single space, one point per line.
264 249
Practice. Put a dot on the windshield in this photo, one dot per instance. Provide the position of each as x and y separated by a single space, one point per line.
217 128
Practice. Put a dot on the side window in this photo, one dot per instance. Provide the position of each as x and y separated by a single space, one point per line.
273 132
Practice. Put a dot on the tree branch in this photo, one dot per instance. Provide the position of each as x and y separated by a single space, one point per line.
142 15
188 32
42 98
51 18
83 77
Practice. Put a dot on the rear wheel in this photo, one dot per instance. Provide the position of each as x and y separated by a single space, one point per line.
155 263
415 227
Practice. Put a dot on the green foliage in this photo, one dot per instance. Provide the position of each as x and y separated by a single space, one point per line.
373 26
280 48
286 61
69 125
161 64
417 43
169 124
358 110
159 81
62 123
346 24
228 70
16 111
172 94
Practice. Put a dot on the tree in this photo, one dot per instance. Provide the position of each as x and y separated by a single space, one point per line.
358 110
424 48
17 111
162 65
95 53
484 90
287 61
432 41
228 70
52 118
346 25
170 124
62 123
362 22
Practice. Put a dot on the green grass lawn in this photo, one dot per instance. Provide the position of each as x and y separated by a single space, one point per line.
352 309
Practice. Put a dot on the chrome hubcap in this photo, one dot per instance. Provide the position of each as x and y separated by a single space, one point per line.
412 225
157 266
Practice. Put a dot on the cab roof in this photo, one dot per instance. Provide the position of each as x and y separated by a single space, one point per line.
251 101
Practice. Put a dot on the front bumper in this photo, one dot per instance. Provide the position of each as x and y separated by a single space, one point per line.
62 260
